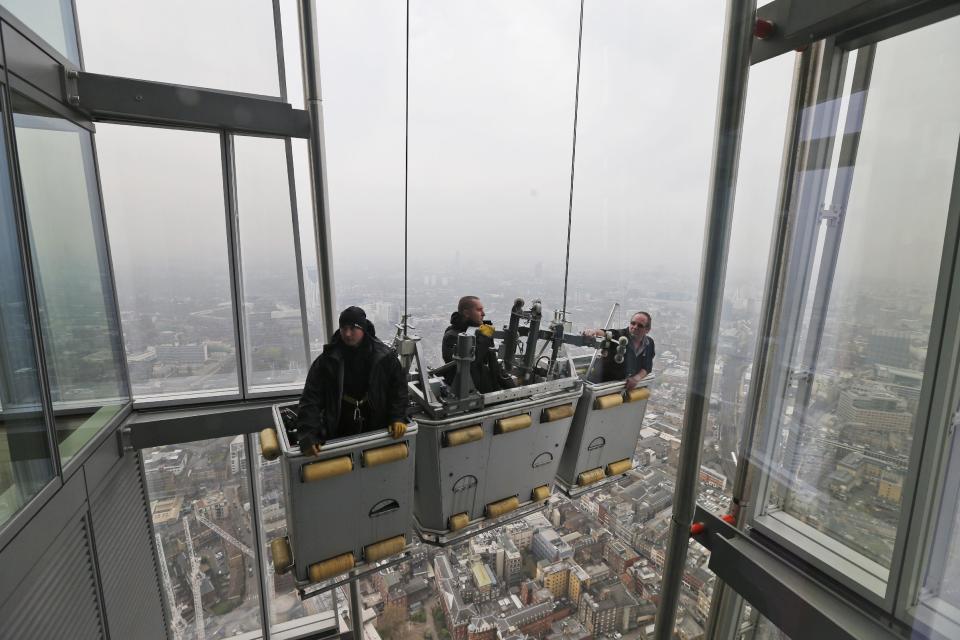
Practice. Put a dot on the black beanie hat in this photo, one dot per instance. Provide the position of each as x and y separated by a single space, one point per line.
353 317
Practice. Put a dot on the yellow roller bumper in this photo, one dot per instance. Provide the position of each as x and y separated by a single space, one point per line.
456 437
320 571
514 423
458 521
383 455
636 395
557 413
591 476
384 548
281 556
501 507
540 493
326 469
269 445
620 466
608 401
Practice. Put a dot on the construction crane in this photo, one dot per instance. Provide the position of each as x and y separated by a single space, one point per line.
247 551
223 534
178 623
195 578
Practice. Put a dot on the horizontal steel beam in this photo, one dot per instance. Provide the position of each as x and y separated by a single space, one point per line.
854 23
798 604
164 427
112 98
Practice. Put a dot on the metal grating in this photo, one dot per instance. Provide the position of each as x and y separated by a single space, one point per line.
128 573
58 598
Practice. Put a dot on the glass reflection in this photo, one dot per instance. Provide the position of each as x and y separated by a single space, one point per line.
199 502
79 323
845 460
52 20
25 465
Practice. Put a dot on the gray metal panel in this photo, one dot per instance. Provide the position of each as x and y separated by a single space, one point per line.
58 598
32 63
465 478
601 436
799 605
345 513
854 22
128 574
140 101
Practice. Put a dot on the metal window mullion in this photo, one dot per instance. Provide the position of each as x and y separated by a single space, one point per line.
819 119
76 33
731 103
29 277
263 571
309 44
931 467
234 256
725 617
297 251
831 244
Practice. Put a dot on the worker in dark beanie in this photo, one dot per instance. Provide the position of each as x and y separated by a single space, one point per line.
355 385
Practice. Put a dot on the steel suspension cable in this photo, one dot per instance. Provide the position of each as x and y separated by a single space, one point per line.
406 165
573 163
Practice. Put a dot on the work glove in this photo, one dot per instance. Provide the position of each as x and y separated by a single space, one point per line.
486 330
310 444
397 429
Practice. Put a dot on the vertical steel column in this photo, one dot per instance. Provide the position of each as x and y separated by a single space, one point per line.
356 610
723 619
263 570
235 257
723 182
292 185
309 43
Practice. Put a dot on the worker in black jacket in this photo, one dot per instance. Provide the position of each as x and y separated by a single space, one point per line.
355 385
488 375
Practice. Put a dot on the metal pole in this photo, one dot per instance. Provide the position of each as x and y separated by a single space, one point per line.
723 181
309 44
263 571
723 607
356 611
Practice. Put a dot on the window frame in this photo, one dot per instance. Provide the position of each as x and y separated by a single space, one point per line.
92 177
923 483
936 471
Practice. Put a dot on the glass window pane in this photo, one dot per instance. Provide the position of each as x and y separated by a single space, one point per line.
220 44
163 195
644 143
276 351
755 210
79 324
25 465
200 504
491 126
52 20
364 138
845 459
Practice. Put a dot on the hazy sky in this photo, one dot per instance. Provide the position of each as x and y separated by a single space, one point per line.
491 115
